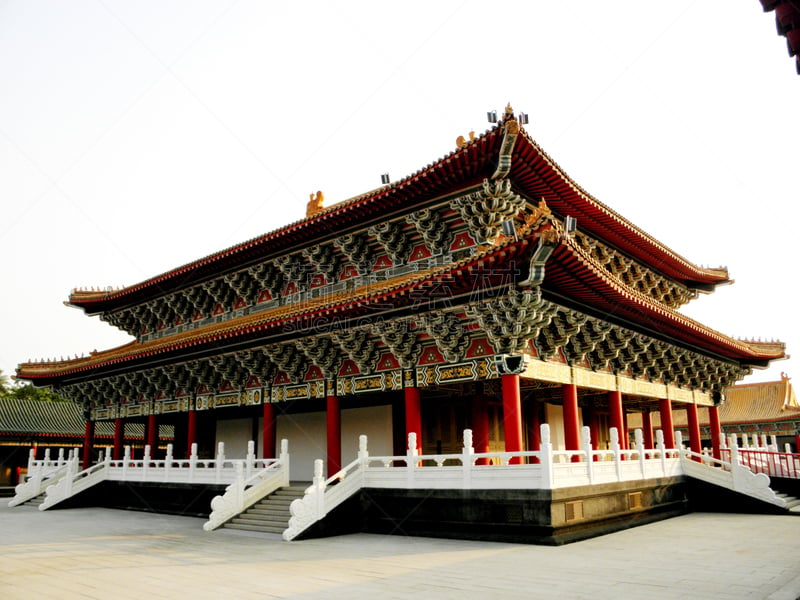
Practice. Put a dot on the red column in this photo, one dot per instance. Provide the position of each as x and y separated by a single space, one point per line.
88 444
716 430
694 428
533 422
569 396
270 431
119 439
414 415
480 427
616 416
334 431
626 438
152 434
647 429
512 415
191 430
667 428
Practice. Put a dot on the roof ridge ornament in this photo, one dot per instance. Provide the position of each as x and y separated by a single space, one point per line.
511 127
314 205
462 142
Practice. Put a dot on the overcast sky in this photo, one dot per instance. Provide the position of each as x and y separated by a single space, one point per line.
138 136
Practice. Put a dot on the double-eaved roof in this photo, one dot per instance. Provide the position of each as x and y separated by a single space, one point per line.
571 272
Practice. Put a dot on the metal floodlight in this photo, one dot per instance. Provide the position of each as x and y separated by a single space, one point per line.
508 228
523 118
492 116
570 224
385 178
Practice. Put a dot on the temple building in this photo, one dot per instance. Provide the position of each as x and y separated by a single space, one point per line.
486 291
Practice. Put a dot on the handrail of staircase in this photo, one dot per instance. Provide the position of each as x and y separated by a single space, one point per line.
323 495
41 474
246 491
75 481
733 475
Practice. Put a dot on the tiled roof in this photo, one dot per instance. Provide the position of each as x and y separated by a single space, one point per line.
36 417
536 174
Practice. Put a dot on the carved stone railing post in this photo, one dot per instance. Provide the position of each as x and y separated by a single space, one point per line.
192 461
284 458
662 451
679 444
615 448
250 459
146 462
411 462
60 460
638 437
72 469
126 461
467 453
220 461
734 455
363 453
168 462
319 489
546 456
586 444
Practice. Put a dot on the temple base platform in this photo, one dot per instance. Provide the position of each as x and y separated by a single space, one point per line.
547 517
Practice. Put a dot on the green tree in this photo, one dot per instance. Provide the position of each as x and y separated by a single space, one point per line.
26 391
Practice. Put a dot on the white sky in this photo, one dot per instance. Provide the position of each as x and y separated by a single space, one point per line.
138 136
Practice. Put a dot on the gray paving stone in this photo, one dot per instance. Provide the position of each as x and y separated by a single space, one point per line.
97 553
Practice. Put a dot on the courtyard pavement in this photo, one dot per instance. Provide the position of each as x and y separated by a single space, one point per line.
105 553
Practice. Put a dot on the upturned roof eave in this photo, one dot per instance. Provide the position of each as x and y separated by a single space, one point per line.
568 261
603 222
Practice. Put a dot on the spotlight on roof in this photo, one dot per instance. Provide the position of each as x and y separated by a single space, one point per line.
523 118
385 178
570 224
492 116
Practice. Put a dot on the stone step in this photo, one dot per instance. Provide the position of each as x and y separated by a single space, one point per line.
260 529
244 517
282 502
269 510
273 526
294 489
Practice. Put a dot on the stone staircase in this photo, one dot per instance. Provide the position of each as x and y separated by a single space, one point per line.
35 501
792 502
271 514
